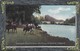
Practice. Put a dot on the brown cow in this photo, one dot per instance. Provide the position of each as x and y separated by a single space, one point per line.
12 26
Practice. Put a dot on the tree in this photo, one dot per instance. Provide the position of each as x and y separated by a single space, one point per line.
22 13
70 21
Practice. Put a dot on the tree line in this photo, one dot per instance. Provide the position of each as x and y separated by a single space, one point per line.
22 13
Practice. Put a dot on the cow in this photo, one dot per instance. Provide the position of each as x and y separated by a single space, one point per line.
28 28
11 25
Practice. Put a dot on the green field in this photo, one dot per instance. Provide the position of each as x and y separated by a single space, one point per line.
12 38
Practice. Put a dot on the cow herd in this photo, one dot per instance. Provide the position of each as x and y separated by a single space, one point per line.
26 27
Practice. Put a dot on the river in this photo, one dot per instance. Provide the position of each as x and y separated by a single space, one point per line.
60 30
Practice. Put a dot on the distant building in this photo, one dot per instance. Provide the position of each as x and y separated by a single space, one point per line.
59 22
46 22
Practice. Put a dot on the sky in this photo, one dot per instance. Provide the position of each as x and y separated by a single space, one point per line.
58 11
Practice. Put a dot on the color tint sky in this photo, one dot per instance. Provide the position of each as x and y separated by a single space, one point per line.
58 11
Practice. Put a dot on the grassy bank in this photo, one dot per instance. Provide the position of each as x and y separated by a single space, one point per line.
36 37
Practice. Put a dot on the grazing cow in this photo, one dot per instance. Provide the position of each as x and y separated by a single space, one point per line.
14 25
10 25
28 27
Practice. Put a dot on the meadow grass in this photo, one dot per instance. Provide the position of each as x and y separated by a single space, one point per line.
20 37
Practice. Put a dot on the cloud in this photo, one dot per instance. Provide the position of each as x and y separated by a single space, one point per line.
59 17
58 10
74 12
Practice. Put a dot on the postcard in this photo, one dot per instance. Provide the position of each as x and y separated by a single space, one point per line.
40 25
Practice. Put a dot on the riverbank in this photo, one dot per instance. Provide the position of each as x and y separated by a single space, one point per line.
35 38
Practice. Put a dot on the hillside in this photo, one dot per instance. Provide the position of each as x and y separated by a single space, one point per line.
49 18
52 19
70 21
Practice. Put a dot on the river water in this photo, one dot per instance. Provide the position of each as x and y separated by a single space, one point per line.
60 30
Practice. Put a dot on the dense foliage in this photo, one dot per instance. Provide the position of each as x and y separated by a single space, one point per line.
21 13
70 21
